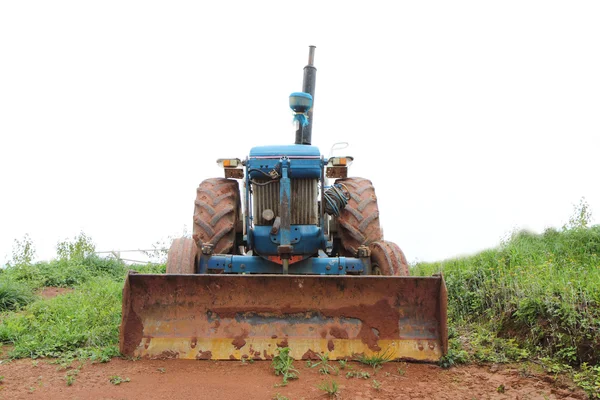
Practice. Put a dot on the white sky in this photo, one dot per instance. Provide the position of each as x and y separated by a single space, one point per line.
470 117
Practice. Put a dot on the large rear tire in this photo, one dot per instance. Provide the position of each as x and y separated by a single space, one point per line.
387 259
359 220
182 256
216 212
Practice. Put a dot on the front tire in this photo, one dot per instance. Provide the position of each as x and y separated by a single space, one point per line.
216 212
359 220
387 259
182 258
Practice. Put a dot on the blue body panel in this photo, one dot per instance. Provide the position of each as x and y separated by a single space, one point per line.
305 161
306 239
257 265
289 150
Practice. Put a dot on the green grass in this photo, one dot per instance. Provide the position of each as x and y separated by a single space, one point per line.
536 296
330 388
376 360
84 320
14 295
541 290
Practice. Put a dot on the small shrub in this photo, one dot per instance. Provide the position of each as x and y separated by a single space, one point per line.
377 360
325 368
117 380
358 374
456 355
402 369
376 385
283 365
331 388
588 378
14 295
78 249
23 251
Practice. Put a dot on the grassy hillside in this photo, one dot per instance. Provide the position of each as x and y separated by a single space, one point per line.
536 296
534 299
82 323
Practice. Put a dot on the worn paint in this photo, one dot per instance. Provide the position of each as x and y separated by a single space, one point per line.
251 316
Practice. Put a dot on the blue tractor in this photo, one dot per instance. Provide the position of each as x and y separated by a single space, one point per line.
294 223
294 262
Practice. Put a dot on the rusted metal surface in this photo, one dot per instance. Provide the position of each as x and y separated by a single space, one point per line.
234 173
337 172
241 316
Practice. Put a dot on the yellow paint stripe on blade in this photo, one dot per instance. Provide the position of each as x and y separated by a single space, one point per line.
265 349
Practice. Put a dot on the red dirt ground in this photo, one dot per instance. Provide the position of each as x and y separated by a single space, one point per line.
220 380
50 292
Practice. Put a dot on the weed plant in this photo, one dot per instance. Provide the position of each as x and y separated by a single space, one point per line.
283 366
331 388
376 360
14 295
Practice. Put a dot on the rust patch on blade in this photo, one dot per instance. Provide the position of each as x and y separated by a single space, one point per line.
378 316
381 316
338 333
204 355
239 342
310 355
330 345
165 355
133 331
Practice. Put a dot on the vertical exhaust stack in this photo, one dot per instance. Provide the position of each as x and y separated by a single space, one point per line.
304 133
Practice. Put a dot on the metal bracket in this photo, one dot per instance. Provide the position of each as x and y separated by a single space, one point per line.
207 249
235 173
364 254
337 172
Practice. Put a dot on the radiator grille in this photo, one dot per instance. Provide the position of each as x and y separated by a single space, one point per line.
304 201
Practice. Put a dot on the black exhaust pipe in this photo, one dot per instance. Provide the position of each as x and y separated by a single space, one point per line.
304 133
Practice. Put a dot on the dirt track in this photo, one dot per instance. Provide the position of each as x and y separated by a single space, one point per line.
183 379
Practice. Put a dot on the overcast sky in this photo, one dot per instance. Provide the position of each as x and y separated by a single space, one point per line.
471 118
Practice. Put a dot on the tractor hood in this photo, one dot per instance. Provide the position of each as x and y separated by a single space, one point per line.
288 150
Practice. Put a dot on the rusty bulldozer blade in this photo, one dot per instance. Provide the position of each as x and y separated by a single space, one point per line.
224 317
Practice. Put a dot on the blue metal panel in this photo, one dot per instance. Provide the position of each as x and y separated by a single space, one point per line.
256 265
285 206
305 161
289 150
306 239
